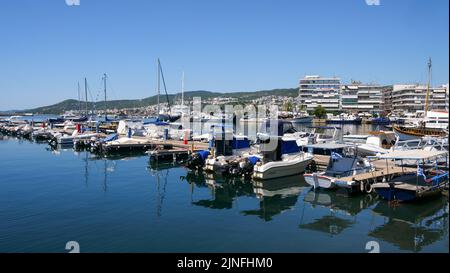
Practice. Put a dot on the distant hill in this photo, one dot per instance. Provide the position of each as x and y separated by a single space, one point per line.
72 104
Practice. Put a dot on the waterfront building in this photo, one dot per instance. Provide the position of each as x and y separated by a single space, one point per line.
358 97
317 90
412 97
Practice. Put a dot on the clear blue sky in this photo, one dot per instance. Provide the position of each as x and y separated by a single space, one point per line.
222 45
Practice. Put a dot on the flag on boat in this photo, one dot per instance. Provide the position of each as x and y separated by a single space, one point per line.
335 156
420 172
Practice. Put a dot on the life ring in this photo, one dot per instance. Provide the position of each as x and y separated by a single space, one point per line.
368 187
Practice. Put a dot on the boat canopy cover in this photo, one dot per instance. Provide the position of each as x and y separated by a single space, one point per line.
203 154
254 159
240 143
289 147
416 154
328 146
111 137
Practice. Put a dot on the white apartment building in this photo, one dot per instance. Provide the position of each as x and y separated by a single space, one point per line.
357 97
412 97
317 90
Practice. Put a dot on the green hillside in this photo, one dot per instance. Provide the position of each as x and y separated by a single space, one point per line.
72 104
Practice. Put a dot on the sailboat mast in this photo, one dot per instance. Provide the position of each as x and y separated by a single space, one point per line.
104 84
159 86
182 89
86 96
79 98
428 88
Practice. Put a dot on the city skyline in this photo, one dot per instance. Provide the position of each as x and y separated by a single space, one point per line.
222 47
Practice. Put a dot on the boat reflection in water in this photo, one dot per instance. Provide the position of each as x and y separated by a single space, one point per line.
224 191
340 202
276 196
412 227
342 213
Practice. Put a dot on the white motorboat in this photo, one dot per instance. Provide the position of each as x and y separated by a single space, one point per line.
339 166
70 139
377 143
355 138
285 159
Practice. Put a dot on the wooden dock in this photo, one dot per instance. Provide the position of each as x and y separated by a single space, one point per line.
362 182
160 148
379 174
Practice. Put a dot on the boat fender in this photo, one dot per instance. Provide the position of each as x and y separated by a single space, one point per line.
368 187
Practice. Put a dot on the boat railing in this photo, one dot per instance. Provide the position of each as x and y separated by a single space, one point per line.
437 143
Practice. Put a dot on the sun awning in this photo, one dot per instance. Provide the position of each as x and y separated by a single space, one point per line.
413 155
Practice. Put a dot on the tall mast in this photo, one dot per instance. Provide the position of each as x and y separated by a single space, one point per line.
428 88
79 98
182 89
159 85
104 84
86 97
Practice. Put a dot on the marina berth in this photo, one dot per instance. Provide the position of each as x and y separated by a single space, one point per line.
426 182
341 169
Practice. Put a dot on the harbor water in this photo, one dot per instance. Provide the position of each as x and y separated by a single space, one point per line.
126 204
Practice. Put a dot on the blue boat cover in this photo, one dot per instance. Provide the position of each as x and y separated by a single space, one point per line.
253 159
111 137
203 154
240 143
289 147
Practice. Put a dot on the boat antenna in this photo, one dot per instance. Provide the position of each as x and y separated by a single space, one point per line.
104 82
428 87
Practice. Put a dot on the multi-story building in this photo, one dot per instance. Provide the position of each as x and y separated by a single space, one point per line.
387 98
357 97
412 97
439 98
316 90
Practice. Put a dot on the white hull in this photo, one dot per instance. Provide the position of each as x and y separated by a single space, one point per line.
370 150
320 181
291 166
71 139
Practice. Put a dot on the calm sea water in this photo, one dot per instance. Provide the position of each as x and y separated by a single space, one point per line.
48 198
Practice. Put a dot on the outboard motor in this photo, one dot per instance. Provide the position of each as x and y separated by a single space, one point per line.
196 160
243 167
